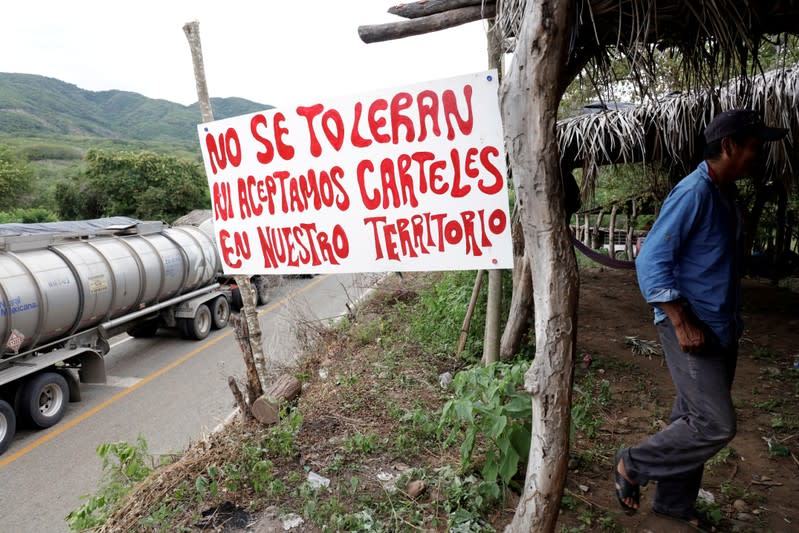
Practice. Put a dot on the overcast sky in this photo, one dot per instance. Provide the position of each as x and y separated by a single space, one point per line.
273 52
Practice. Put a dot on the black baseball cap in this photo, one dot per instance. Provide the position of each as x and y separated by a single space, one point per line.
737 121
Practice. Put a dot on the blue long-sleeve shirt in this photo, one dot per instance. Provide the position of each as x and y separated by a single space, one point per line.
691 255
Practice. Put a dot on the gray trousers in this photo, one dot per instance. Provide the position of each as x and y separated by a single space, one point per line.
702 422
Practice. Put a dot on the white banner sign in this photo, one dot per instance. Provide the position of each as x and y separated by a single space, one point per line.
406 179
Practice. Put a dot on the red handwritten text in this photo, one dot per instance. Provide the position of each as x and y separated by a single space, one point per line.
426 232
303 245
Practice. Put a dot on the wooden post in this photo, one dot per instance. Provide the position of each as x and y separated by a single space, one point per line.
521 303
491 337
587 230
192 31
531 93
254 388
612 232
595 236
243 406
631 231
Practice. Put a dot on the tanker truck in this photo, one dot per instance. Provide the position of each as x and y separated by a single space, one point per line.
203 219
67 288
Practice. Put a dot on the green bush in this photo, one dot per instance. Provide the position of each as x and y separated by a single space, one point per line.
437 323
27 215
143 185
489 401
42 152
124 465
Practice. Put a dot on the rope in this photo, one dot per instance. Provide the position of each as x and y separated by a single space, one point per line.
601 258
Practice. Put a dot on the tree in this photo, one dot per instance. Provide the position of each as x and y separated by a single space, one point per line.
16 176
142 185
531 93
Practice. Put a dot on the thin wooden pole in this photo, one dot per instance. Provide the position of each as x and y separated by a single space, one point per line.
192 31
467 320
491 338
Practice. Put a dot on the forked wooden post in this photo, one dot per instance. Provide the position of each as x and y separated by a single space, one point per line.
192 31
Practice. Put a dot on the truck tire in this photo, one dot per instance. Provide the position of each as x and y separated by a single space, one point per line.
144 330
261 290
220 311
44 399
196 328
8 425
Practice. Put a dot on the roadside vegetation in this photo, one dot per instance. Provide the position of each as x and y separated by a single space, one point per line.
393 432
49 179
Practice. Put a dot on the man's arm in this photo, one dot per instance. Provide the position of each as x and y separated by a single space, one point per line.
689 333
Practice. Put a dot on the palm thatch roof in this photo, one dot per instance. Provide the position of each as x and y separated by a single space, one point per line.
717 39
669 131
718 43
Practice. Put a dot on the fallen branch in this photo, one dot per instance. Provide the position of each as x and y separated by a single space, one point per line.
375 33
766 483
585 500
424 8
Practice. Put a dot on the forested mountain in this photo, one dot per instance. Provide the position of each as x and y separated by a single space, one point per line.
32 105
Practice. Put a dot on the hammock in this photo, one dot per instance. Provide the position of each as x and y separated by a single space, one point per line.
602 259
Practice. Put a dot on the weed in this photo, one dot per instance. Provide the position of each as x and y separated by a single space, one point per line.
368 332
769 405
711 511
337 464
762 353
608 523
720 457
417 428
730 491
569 502
487 401
124 465
361 444
589 399
281 438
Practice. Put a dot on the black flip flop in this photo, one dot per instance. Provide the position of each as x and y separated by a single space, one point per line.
701 523
625 489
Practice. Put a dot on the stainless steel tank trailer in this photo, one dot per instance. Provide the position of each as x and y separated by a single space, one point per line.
67 288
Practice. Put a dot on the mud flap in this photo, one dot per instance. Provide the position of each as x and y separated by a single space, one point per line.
92 367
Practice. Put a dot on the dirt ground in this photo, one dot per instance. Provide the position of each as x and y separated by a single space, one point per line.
755 482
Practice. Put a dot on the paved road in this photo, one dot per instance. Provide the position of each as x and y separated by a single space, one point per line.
169 390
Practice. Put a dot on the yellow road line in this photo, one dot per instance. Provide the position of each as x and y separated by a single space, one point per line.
61 428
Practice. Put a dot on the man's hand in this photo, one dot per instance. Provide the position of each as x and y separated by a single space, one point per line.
689 334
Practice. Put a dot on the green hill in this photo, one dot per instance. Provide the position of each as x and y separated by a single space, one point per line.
38 106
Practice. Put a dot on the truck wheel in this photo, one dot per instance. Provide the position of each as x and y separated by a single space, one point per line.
8 425
144 330
196 328
44 398
220 311
261 291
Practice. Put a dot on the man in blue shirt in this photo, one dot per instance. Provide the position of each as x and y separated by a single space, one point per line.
688 270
